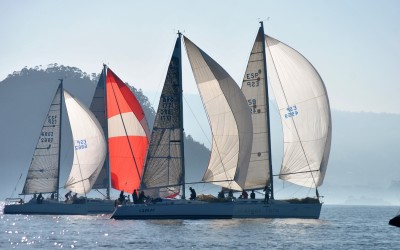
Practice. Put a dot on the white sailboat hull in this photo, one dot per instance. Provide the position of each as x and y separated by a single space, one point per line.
49 207
257 208
177 209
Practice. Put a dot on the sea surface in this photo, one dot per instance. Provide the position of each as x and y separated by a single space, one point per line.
339 227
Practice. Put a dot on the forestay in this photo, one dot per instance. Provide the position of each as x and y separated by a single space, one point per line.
43 173
229 118
305 114
88 143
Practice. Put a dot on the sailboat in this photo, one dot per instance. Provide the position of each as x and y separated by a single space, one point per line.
126 129
44 172
304 110
164 171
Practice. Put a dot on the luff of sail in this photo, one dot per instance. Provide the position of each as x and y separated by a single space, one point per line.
305 114
164 162
229 118
254 89
43 172
127 135
98 109
89 146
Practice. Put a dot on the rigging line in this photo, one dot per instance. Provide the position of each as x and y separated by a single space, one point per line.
198 123
123 123
15 188
82 180
301 172
166 67
284 94
178 184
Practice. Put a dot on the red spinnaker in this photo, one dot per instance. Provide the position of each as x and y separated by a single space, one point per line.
127 135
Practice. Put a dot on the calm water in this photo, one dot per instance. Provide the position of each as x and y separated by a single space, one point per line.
340 227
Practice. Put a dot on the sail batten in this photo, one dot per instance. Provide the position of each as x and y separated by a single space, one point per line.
228 116
43 172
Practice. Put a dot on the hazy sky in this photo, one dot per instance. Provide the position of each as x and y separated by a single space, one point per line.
355 45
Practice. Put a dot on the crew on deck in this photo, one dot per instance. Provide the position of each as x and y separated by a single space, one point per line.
192 194
252 195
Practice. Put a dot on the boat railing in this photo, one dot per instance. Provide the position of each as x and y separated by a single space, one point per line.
14 201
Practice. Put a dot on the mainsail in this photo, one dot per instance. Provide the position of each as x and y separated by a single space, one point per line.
255 90
89 146
165 159
127 135
98 108
43 172
305 114
229 118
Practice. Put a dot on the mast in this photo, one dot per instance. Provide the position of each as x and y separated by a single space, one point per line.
107 160
59 139
271 185
181 117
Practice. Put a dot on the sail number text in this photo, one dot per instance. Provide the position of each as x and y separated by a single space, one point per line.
80 144
291 111
46 136
167 107
253 79
52 119
253 106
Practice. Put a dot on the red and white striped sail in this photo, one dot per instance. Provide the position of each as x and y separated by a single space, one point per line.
127 135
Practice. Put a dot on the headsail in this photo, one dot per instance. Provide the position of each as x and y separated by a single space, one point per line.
98 108
165 160
127 135
89 146
229 117
256 93
305 114
43 172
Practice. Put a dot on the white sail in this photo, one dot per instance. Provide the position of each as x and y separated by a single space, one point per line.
43 172
229 118
89 146
255 91
305 114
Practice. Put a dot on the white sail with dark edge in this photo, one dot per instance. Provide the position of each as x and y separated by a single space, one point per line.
303 105
229 118
89 146
255 90
43 172
164 166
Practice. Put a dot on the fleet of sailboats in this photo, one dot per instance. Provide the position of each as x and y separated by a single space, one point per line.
241 154
127 158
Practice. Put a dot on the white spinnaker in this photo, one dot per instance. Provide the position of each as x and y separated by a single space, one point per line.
305 114
254 89
229 118
89 146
